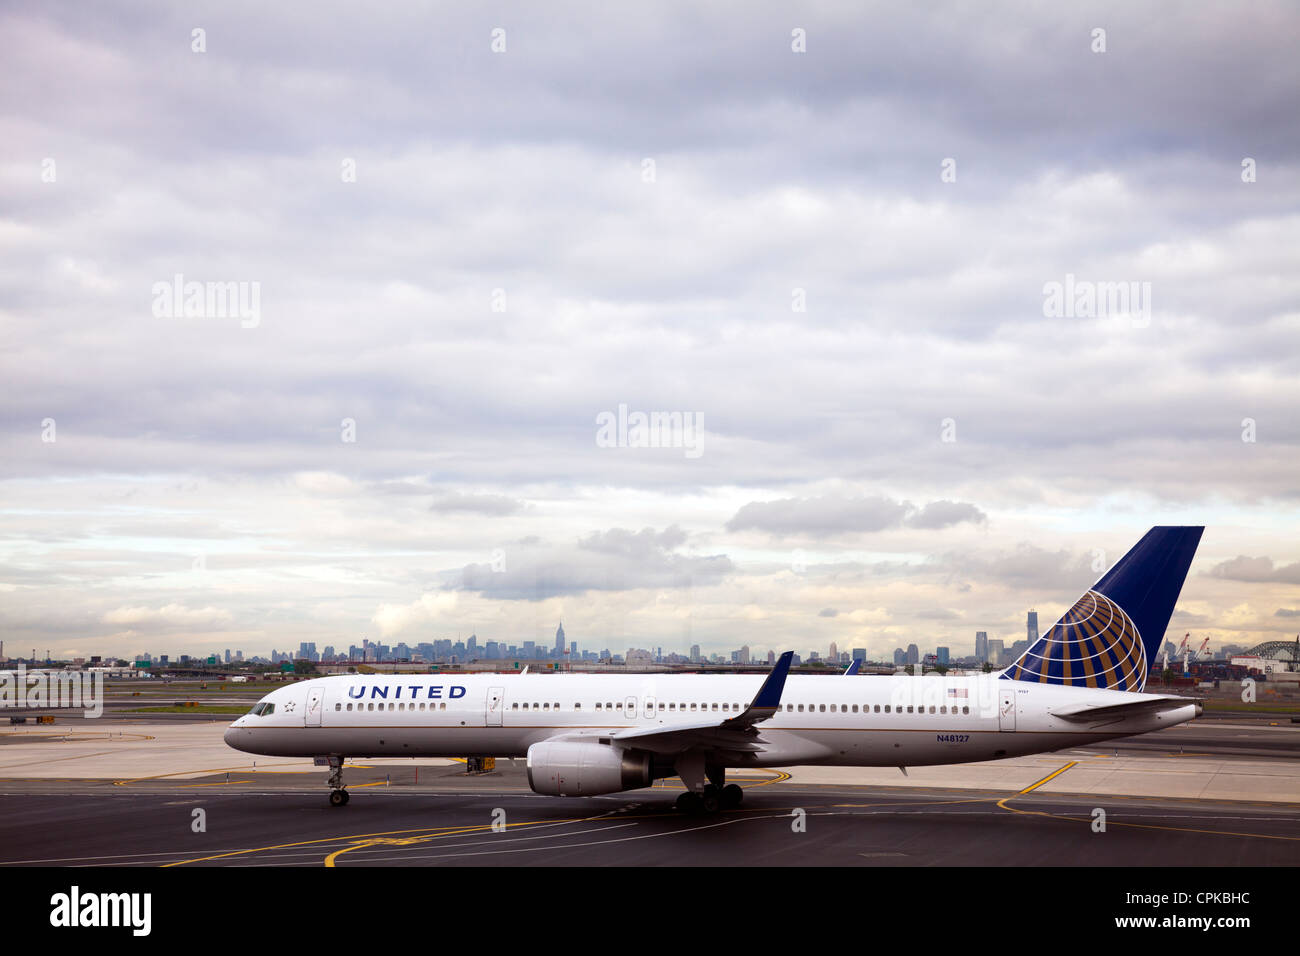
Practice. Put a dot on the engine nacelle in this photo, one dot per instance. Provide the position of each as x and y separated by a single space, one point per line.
566 768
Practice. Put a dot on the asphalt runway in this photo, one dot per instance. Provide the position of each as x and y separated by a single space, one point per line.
1255 739
448 818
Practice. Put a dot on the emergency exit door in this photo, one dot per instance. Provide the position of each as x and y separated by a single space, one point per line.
315 704
495 706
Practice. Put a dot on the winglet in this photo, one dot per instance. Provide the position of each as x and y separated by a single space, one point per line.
852 668
768 699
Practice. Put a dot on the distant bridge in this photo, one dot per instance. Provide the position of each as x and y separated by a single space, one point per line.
1277 650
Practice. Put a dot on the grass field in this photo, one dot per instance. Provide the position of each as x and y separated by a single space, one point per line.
1232 707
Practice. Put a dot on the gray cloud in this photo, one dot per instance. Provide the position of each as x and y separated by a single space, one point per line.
938 614
819 515
834 515
943 514
478 504
613 560
1256 570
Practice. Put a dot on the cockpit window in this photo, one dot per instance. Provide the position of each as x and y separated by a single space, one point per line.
262 710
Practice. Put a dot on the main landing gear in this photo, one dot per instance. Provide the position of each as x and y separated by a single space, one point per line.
338 795
705 798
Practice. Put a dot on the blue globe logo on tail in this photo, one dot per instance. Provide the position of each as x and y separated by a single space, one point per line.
1112 633
1094 645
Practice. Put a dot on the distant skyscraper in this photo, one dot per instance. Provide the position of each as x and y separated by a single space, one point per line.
913 654
695 653
834 655
859 653
559 640
900 657
981 646
941 653
1031 627
995 653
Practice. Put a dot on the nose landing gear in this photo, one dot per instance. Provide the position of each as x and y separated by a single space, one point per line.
338 795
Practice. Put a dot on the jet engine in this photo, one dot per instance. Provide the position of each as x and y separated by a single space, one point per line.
568 768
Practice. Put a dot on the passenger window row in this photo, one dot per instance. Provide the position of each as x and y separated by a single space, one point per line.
264 709
876 708
437 705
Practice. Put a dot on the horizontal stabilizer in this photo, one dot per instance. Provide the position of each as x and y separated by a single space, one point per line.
1134 708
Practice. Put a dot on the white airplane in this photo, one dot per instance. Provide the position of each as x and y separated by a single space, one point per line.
588 734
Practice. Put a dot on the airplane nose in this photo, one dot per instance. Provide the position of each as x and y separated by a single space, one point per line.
231 736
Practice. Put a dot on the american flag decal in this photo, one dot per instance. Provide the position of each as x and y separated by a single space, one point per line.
958 692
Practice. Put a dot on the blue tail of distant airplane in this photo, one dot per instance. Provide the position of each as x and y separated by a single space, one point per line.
1111 636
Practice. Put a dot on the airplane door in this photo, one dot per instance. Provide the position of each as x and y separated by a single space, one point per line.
649 707
629 708
1006 710
311 716
495 706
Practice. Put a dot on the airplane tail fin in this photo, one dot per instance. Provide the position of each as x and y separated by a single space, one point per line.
1111 635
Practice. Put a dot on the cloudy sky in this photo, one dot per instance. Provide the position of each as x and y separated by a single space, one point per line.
825 235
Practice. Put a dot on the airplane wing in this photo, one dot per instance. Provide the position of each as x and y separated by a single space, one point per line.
735 734
1137 708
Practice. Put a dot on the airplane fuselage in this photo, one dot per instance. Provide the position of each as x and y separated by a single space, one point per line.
831 720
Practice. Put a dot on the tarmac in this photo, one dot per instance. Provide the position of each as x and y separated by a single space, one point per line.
128 793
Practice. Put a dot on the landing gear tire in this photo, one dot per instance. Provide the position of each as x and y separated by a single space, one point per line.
732 796
710 802
688 803
338 798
